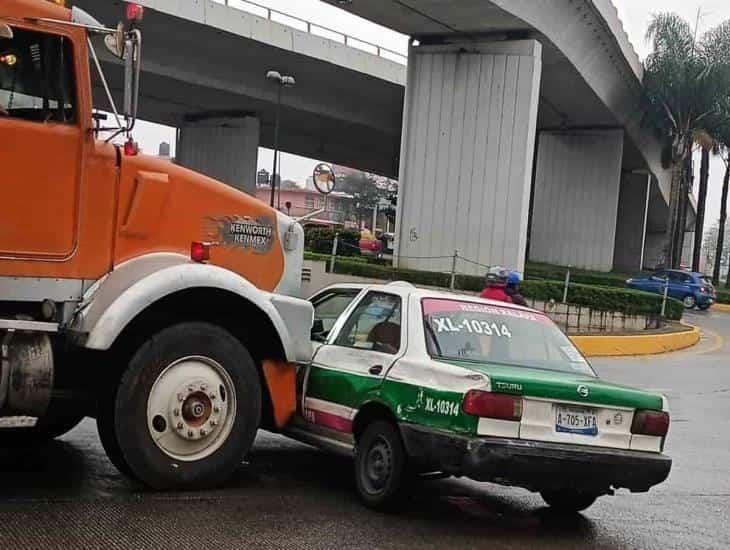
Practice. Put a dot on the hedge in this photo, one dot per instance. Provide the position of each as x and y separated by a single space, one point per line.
723 296
319 240
602 298
535 270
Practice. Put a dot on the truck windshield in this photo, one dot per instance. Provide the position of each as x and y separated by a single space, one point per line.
36 77
470 331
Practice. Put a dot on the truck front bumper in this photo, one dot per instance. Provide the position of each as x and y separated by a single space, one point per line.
535 465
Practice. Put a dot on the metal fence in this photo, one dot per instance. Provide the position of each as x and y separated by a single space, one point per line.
316 29
571 318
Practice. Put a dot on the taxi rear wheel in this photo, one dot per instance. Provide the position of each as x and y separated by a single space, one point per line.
380 462
568 500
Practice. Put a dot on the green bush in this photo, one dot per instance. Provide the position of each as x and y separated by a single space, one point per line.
723 296
551 272
602 298
319 240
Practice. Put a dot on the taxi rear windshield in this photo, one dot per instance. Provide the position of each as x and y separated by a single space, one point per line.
469 331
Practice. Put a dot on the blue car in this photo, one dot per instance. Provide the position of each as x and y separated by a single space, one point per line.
693 289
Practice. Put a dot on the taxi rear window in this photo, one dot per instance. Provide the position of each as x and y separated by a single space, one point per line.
460 330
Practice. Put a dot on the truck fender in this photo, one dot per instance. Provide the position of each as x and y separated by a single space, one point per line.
114 301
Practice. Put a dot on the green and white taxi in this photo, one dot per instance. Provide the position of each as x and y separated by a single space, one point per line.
416 381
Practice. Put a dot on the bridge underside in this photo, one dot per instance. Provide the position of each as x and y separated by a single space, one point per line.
205 65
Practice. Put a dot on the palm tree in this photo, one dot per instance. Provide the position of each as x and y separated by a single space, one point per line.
682 84
721 228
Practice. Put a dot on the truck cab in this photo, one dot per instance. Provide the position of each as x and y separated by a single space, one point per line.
155 299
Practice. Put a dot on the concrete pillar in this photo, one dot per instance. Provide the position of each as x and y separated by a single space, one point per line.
226 149
577 180
633 205
466 155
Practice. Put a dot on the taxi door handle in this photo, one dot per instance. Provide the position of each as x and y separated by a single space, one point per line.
376 369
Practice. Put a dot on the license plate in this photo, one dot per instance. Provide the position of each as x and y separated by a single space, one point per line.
576 420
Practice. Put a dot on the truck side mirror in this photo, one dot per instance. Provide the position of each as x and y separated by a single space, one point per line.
132 61
6 31
115 42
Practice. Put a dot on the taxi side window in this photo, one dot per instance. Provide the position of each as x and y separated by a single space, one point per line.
374 325
37 77
328 308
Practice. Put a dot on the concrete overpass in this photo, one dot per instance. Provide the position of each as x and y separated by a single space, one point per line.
501 94
595 167
204 72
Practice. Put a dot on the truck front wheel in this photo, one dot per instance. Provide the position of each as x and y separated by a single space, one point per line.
188 407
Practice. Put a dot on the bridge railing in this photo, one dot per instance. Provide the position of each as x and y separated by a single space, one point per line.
315 29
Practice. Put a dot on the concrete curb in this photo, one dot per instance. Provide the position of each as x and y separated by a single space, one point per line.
645 344
722 308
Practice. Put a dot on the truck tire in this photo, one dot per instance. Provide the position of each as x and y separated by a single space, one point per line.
187 408
108 432
380 464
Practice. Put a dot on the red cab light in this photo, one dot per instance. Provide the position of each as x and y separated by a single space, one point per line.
493 405
131 149
135 12
199 252
654 423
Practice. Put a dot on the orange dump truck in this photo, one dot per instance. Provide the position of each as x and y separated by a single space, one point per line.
132 290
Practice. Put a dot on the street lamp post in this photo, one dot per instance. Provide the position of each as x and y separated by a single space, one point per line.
281 81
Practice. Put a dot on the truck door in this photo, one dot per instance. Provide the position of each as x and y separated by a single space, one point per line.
40 145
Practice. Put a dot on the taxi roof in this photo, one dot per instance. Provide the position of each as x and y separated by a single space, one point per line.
405 288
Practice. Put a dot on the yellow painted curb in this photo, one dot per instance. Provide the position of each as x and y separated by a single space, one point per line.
722 308
645 344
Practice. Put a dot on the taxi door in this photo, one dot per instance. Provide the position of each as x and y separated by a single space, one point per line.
41 141
354 361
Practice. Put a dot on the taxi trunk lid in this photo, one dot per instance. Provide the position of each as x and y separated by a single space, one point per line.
573 408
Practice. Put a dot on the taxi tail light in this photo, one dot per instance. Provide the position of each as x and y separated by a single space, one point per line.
493 405
199 252
654 423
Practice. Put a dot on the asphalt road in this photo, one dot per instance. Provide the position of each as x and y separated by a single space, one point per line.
288 495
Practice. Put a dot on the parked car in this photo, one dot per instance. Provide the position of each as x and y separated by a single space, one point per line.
693 289
369 244
411 381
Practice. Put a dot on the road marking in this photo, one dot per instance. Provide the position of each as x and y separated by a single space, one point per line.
718 345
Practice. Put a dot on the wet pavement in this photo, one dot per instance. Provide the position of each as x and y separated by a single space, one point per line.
288 495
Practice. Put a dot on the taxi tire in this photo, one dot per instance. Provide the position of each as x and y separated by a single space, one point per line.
383 434
148 462
568 501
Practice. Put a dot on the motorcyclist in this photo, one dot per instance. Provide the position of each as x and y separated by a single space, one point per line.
513 288
496 284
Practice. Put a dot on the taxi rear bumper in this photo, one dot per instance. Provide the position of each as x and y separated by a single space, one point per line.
535 465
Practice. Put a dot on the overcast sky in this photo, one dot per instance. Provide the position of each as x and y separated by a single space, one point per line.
635 15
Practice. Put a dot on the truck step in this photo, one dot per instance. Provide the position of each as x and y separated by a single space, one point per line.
32 326
17 422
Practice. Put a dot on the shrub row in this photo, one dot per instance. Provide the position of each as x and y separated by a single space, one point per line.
602 298
319 240
557 273
723 296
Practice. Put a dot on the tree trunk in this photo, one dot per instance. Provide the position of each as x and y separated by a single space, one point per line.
701 201
672 221
721 227
684 191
